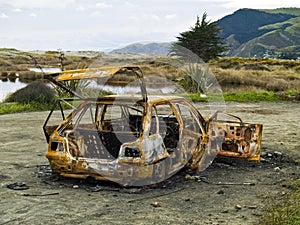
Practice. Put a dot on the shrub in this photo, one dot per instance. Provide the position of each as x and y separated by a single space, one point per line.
4 74
256 67
36 91
30 76
297 68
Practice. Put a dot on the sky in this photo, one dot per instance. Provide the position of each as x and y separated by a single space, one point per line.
102 25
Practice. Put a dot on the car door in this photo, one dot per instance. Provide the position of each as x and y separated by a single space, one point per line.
234 138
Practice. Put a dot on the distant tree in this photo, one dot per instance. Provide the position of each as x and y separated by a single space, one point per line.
202 39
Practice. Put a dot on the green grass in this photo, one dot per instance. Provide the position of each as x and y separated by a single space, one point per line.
241 97
14 107
285 210
252 96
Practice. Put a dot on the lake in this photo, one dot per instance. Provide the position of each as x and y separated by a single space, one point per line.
9 87
154 85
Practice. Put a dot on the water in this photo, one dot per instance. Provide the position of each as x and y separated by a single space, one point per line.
9 87
45 70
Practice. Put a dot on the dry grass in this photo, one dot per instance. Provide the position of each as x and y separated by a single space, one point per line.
233 80
233 74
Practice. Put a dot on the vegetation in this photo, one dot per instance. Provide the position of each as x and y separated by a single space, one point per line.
249 22
195 79
262 33
36 91
19 62
35 96
241 79
259 75
149 48
242 97
284 210
202 39
252 96
15 107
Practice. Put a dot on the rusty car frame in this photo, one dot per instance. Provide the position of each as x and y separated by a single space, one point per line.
139 139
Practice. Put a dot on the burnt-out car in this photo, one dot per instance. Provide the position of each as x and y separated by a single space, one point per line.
139 139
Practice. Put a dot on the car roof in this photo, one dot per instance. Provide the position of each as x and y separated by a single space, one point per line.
152 99
60 78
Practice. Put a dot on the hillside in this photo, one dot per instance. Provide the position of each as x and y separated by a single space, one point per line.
150 48
262 33
271 33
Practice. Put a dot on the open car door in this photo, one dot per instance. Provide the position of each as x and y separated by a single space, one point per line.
230 138
235 138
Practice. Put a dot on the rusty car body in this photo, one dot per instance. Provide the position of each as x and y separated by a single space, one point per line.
138 139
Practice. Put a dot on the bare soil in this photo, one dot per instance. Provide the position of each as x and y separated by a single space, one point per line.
228 192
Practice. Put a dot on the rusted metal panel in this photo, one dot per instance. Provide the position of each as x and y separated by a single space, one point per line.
236 138
241 140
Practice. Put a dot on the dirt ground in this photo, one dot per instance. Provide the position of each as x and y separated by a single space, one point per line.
228 192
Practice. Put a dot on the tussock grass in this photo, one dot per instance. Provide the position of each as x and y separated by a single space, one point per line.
281 75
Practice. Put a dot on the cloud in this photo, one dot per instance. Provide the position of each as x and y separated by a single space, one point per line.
103 5
135 18
32 15
150 17
17 10
53 4
154 17
105 23
3 16
257 4
80 8
170 16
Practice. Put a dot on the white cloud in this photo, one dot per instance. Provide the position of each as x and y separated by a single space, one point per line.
109 23
3 16
258 4
130 4
103 5
17 10
170 16
53 4
135 18
80 8
154 17
149 17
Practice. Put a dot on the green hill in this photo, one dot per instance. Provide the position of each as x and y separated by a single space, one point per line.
262 33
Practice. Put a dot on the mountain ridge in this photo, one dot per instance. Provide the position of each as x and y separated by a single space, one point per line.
147 48
263 33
